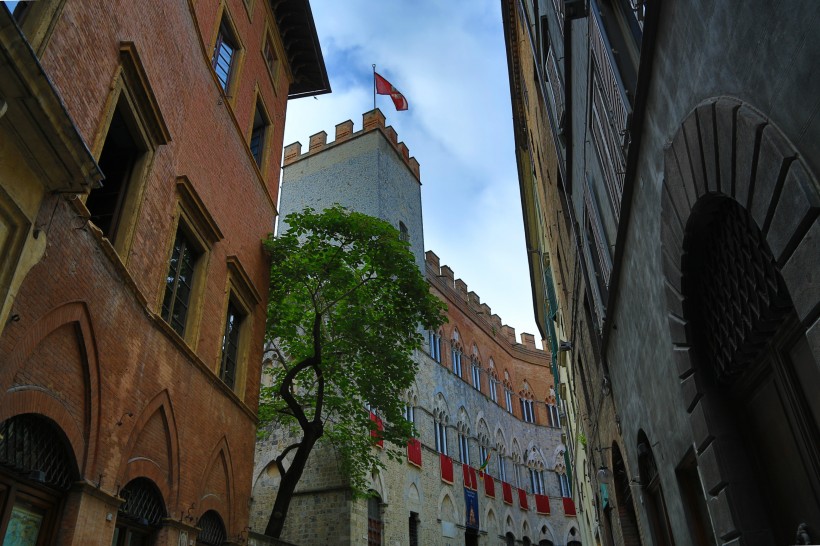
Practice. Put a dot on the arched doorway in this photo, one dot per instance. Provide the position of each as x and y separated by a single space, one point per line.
749 349
37 467
739 231
211 529
139 517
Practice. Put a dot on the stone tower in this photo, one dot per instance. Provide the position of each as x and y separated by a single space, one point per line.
368 171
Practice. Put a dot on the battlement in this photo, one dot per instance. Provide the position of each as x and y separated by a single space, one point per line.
442 275
371 121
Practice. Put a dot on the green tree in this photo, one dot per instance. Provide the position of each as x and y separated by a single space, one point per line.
346 303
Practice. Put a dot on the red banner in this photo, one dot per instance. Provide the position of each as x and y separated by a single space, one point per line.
414 451
506 489
379 426
489 486
470 479
569 506
446 468
522 500
542 504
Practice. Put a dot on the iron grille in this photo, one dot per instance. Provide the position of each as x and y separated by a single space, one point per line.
740 296
33 446
211 529
143 502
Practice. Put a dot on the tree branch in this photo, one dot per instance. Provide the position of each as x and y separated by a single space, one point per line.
280 460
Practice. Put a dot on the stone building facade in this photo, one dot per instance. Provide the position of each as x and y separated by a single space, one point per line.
668 172
479 392
133 279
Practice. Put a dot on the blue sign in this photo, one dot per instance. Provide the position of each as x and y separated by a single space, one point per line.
471 504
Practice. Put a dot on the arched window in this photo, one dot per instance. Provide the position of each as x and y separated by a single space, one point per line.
434 345
508 392
475 369
527 404
553 417
464 443
535 467
211 529
455 358
39 468
441 431
139 516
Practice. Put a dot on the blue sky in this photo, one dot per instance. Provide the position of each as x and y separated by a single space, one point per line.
448 59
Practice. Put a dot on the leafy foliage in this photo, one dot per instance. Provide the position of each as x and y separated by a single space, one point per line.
347 300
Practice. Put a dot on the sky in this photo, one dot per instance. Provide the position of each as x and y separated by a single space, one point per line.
449 61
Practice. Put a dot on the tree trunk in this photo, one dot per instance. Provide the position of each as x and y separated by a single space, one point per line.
290 478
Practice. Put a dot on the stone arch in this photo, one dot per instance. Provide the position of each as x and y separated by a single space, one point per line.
500 441
546 532
440 404
216 485
732 179
413 497
463 420
491 522
525 529
509 522
446 507
79 419
377 485
158 463
572 533
558 461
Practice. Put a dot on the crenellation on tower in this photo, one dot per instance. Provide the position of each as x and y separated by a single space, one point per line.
444 278
371 121
344 130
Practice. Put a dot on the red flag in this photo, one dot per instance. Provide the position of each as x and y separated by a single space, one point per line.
384 87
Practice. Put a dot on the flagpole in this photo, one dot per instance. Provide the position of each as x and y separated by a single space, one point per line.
374 87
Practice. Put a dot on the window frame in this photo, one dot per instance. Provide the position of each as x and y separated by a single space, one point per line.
440 434
192 217
132 96
464 447
455 356
475 370
226 20
262 161
240 293
270 36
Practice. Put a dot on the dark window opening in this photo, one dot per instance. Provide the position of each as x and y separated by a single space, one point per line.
119 155
414 529
694 501
212 530
224 57
179 283
230 345
258 134
653 500
404 234
374 522
271 60
140 514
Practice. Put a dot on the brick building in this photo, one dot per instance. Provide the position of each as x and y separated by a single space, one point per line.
479 392
668 170
132 310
